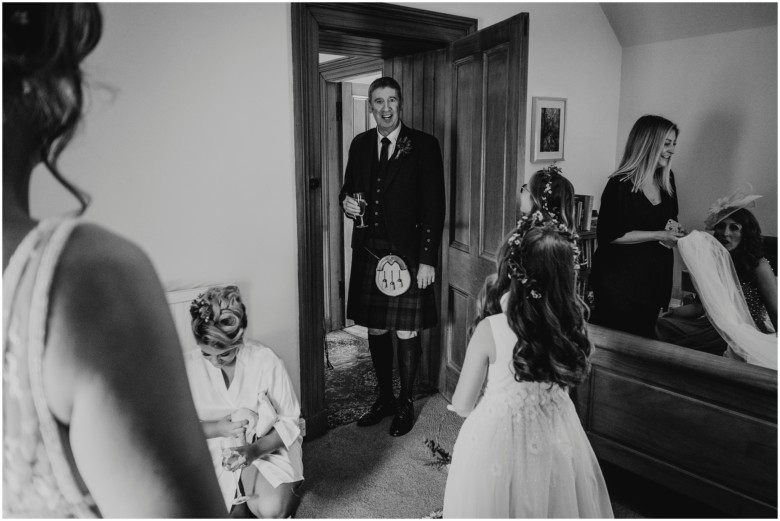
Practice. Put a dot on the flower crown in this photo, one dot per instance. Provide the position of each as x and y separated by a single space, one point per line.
200 307
538 219
546 174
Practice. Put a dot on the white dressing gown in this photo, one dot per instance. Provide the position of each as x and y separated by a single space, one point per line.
260 379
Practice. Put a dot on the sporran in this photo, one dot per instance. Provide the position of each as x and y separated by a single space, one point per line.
392 276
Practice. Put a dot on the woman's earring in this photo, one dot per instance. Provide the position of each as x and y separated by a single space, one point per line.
26 87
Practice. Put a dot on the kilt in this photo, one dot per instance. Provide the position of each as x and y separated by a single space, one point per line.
367 306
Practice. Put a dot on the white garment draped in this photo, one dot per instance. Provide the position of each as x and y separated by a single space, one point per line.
262 385
720 292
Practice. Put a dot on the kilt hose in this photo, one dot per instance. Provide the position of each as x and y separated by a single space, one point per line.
367 306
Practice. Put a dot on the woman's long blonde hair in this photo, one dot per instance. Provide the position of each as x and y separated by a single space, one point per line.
643 148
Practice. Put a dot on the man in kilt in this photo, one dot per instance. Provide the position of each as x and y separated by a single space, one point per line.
400 172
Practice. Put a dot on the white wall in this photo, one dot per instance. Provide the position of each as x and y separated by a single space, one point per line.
190 153
188 146
189 150
721 90
572 53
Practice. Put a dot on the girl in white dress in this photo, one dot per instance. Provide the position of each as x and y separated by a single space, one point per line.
522 451
241 388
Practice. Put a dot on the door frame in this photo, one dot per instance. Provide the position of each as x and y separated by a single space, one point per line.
352 29
334 275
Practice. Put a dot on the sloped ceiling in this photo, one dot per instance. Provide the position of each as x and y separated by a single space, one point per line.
641 23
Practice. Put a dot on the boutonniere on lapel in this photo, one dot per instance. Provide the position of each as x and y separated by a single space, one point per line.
403 146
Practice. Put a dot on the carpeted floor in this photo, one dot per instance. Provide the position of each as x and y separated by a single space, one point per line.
350 384
354 472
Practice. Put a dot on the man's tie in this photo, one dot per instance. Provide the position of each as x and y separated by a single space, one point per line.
383 153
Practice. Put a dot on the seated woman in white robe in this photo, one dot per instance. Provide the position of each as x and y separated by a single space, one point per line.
232 377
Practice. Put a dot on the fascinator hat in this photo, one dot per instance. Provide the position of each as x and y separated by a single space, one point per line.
726 206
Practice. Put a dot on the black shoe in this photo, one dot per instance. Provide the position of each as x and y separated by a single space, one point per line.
404 418
379 410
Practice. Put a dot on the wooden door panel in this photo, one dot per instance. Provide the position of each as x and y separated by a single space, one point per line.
489 76
459 310
424 80
497 176
333 258
468 273
355 118
466 152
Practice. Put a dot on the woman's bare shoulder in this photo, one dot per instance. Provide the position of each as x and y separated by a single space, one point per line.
93 247
107 279
108 315
763 272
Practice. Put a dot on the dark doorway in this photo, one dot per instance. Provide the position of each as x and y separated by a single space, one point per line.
465 87
362 30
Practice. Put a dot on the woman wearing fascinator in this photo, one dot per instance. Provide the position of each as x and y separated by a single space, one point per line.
248 409
736 240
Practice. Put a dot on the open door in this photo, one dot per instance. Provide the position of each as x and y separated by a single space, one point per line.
486 170
425 80
472 96
345 114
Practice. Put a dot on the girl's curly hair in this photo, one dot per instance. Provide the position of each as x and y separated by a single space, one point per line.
219 317
551 192
552 335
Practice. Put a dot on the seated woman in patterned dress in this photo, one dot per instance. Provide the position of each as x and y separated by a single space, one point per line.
737 229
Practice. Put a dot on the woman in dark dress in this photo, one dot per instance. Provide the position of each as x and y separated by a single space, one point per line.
632 265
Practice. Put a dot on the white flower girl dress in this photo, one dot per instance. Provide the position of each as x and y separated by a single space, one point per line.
522 452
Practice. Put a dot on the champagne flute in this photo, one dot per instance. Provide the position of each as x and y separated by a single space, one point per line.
229 458
361 201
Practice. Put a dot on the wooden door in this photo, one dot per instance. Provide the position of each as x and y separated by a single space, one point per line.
486 169
347 29
332 228
355 119
425 82
344 116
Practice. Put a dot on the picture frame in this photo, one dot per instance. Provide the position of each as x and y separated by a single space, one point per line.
548 129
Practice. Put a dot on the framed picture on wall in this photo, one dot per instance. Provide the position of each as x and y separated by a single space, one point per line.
548 129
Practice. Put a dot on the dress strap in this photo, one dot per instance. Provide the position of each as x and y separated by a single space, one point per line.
19 262
39 309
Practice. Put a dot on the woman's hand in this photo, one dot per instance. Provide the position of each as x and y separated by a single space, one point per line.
245 415
248 453
262 446
226 428
669 238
